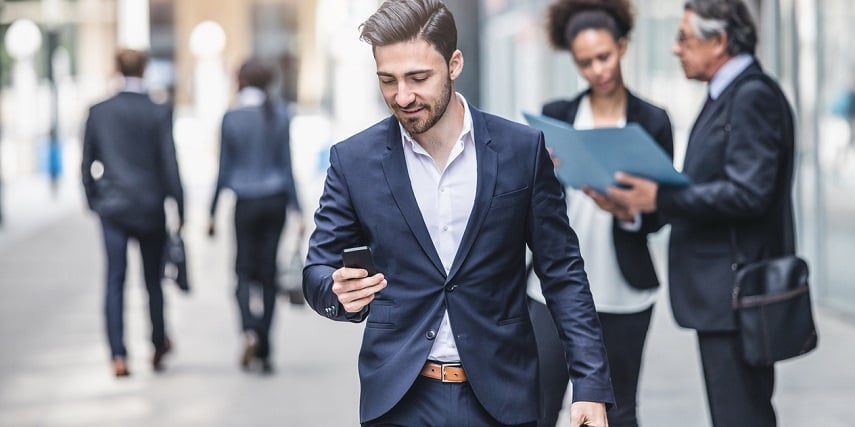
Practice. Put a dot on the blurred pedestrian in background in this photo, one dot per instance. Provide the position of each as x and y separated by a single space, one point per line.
448 197
255 164
738 208
129 168
613 241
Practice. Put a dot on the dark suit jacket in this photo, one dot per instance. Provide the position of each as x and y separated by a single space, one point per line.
131 137
368 200
631 250
255 154
739 206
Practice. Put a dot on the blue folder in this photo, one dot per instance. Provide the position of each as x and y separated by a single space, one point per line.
592 156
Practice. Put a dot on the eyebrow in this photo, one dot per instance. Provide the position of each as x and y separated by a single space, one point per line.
409 73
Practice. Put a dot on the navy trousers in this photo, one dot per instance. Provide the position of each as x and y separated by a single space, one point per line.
151 245
258 227
431 403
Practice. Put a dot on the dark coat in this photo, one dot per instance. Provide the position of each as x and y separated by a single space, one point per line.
131 137
739 206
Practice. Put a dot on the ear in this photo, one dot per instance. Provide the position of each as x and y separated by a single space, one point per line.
720 44
622 45
455 64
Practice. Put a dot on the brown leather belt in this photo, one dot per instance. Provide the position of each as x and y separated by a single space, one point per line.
445 372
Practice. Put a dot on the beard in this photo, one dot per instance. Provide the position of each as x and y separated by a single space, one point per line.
416 126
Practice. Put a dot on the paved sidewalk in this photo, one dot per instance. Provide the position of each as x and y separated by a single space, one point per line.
54 367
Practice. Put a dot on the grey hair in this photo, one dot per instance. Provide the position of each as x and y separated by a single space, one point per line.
729 17
705 28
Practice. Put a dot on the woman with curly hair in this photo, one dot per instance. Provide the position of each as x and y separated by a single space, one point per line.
613 239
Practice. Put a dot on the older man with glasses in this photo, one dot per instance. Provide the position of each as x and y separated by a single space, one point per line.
739 207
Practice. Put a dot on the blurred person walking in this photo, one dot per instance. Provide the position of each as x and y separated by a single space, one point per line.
129 168
738 209
439 191
613 241
255 164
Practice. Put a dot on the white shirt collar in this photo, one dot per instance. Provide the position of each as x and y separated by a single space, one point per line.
134 85
251 96
728 73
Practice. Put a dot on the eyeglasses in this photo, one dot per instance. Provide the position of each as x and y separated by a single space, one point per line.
683 38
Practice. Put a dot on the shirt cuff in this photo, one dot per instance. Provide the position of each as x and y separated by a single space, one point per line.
634 225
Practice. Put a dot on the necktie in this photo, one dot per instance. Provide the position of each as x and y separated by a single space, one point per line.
708 103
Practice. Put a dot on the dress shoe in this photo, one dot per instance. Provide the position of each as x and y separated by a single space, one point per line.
158 355
250 346
120 367
266 367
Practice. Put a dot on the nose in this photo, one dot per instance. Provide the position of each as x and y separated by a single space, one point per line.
404 96
676 49
597 67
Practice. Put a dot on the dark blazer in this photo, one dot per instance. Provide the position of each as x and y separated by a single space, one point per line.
631 250
740 161
255 154
131 137
368 200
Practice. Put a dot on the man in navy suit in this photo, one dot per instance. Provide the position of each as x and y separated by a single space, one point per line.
128 169
447 198
738 208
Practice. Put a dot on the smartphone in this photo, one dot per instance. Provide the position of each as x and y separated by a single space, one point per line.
359 257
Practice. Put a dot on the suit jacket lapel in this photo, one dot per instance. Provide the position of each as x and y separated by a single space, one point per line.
487 173
398 179
706 118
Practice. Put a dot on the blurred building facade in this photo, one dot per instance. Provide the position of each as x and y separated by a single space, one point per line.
328 74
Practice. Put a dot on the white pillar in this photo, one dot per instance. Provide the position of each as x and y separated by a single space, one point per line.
210 83
134 31
23 40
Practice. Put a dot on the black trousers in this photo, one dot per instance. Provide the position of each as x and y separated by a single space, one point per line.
431 403
623 335
151 244
738 394
258 227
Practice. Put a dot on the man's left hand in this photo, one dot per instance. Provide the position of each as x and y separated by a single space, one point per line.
589 414
639 195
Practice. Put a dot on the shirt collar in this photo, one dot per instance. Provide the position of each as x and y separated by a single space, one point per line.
250 96
134 85
467 128
728 73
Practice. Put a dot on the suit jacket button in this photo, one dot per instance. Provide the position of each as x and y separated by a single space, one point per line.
431 334
450 287
734 266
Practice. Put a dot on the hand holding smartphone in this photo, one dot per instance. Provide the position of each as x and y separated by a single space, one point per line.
359 257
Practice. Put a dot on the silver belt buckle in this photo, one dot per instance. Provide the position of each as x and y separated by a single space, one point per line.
448 365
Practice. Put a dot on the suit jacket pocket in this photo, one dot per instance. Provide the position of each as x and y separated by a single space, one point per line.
380 315
511 320
509 198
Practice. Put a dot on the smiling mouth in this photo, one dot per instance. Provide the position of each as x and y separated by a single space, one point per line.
410 110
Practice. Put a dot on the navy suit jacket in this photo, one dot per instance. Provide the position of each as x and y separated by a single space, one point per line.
739 206
631 251
131 137
368 200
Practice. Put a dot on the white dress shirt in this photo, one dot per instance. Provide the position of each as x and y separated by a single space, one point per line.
445 199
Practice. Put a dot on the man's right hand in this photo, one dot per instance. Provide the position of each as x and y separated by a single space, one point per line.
355 289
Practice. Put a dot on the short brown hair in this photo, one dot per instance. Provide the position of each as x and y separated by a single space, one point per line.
404 20
131 63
